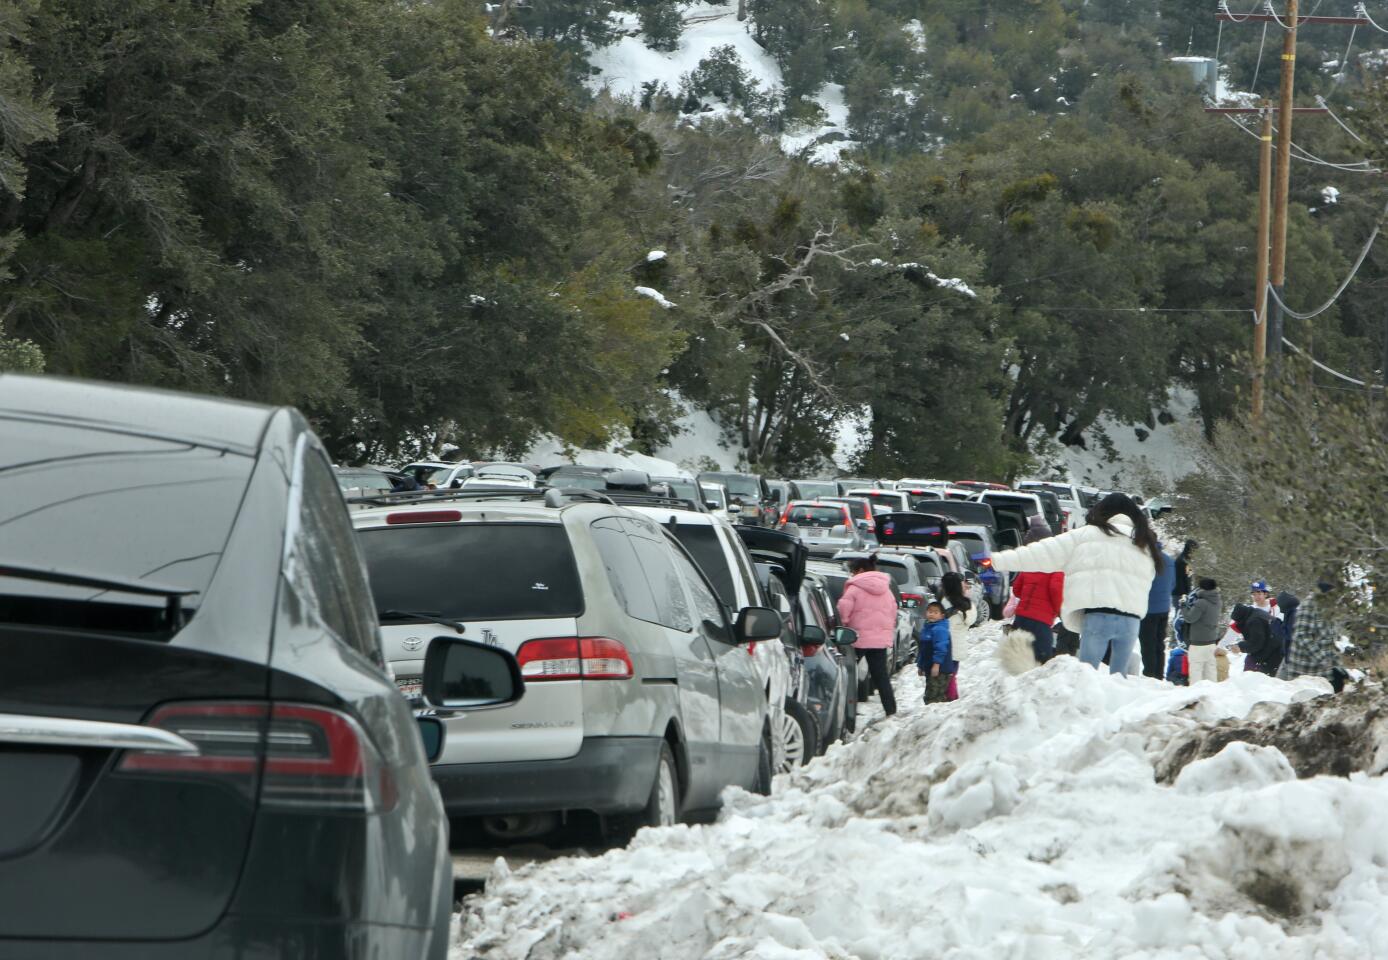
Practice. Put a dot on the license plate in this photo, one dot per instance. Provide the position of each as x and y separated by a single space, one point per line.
411 688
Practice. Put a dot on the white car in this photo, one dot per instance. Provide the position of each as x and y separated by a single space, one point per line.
718 503
510 474
723 557
438 473
883 501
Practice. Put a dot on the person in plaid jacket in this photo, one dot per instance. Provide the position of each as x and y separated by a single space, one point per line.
1313 652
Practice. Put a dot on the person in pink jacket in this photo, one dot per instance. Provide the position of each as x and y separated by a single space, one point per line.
868 606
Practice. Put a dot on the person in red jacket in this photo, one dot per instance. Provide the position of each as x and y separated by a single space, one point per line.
868 606
1038 604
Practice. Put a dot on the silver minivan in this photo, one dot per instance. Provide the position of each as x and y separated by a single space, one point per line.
641 702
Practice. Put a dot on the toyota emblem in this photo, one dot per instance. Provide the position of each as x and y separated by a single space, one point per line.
412 643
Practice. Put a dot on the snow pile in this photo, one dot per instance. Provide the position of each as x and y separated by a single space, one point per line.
1330 195
823 142
624 65
650 293
550 452
1022 821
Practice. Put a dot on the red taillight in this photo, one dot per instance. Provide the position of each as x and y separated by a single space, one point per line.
574 658
810 649
307 756
424 516
785 517
909 599
986 562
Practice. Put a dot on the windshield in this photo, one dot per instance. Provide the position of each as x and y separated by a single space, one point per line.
738 484
578 481
110 505
715 495
434 474
1028 504
816 516
362 479
474 571
857 509
974 545
882 497
817 488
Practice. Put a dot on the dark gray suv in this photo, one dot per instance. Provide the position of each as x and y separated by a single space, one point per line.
201 750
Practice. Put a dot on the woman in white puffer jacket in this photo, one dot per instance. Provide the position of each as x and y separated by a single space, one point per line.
1109 565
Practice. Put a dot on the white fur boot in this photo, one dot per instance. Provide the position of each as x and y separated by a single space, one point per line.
1015 652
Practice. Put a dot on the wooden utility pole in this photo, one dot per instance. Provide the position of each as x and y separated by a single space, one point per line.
1284 170
1260 294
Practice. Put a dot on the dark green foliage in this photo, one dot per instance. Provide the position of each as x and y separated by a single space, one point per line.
722 77
661 23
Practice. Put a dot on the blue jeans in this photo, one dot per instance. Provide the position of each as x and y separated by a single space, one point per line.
1104 630
1044 644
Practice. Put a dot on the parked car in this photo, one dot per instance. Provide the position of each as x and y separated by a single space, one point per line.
959 493
1029 503
860 509
780 494
719 504
852 483
980 546
981 485
197 725
883 501
831 666
813 489
504 473
1071 500
641 702
362 481
725 560
681 488
1056 517
750 492
833 576
573 476
824 528
1090 497
438 474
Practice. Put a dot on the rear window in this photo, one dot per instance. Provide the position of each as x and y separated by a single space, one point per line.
816 516
1061 492
974 545
702 543
884 498
111 505
817 488
896 571
474 571
931 567
858 510
1026 503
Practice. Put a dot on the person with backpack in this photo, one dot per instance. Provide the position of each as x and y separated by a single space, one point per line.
1203 623
1109 564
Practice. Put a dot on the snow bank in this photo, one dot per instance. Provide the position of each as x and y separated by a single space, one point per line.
550 451
1021 821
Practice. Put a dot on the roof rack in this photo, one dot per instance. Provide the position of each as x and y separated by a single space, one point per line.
635 498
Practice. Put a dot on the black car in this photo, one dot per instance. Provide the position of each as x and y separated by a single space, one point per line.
202 752
751 493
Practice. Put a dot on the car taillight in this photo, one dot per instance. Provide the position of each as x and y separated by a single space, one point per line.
810 649
307 756
574 658
424 516
911 599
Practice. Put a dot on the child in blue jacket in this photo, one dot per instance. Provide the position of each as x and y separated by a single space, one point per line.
934 656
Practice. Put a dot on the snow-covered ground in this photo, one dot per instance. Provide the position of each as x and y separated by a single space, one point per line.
1022 821
550 451
624 65
1164 454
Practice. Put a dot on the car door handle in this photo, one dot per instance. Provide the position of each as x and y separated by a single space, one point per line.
69 732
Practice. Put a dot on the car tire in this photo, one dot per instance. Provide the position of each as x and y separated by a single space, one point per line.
765 771
662 807
801 736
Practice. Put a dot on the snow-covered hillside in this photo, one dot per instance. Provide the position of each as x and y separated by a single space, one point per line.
1024 820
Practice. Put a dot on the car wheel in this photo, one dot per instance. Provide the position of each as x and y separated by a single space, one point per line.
801 736
662 807
762 784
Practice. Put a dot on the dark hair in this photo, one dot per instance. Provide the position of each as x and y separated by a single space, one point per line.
935 603
953 587
1190 546
1144 537
1207 584
862 564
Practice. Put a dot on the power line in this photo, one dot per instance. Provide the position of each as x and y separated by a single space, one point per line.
1320 101
1363 11
1259 67
1363 254
1305 156
1330 370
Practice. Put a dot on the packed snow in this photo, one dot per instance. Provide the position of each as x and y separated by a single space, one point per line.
1021 821
1330 195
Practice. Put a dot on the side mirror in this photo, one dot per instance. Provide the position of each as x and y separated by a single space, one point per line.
466 675
757 623
711 504
845 636
812 636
